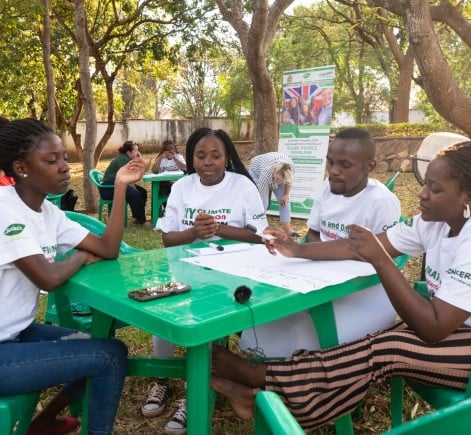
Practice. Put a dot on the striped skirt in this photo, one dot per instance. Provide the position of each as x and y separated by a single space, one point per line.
320 386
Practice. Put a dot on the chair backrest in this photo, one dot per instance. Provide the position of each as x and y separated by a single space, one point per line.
391 182
96 177
273 417
454 419
16 412
96 227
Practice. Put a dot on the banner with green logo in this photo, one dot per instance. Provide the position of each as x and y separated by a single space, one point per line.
304 132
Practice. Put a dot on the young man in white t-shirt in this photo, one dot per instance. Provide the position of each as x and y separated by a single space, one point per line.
347 196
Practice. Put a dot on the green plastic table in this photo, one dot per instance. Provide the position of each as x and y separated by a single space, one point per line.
195 319
157 200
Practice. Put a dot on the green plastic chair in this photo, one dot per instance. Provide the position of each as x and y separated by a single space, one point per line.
55 199
273 417
96 177
16 412
454 419
76 315
391 182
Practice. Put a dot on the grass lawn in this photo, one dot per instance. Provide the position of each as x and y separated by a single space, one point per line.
374 417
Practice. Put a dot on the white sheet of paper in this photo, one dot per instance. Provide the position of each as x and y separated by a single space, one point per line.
294 274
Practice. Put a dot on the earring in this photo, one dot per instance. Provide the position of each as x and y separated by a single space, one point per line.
466 212
24 175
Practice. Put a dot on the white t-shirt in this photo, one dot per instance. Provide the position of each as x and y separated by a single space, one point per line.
356 315
170 165
375 207
447 260
24 232
234 201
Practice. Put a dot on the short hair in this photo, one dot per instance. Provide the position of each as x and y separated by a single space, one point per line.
17 139
127 146
285 170
458 159
363 136
234 163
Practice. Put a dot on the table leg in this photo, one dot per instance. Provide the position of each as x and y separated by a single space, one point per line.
154 202
199 403
323 317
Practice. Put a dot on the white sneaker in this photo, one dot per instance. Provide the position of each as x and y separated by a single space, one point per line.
177 425
156 400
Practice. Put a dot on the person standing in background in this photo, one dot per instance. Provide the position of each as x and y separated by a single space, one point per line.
273 172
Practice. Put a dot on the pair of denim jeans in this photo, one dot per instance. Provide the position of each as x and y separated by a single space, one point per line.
44 356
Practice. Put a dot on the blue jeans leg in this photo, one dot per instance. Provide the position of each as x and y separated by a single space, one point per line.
285 211
43 357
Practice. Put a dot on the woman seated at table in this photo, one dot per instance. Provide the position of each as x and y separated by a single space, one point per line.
431 345
168 160
35 356
215 201
136 196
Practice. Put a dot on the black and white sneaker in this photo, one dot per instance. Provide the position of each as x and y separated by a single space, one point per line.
156 400
177 425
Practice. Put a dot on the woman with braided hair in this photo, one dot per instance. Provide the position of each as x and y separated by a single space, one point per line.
429 345
35 356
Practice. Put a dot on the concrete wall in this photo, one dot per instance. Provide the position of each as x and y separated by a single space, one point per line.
392 152
151 134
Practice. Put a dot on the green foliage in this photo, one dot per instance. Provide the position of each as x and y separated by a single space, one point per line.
195 92
236 91
404 129
319 35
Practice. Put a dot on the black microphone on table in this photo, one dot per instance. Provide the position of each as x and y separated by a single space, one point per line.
242 294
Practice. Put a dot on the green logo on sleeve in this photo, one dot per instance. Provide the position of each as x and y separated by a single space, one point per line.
14 229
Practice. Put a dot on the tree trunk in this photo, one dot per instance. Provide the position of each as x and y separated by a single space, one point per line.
89 105
255 40
436 76
50 85
439 83
406 68
110 115
265 113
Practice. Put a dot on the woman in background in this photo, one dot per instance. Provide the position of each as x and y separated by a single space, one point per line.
168 160
273 172
136 196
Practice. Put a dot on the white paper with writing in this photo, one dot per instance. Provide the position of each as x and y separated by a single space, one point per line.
294 274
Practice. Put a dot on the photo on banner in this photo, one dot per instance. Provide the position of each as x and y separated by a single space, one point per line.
305 119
